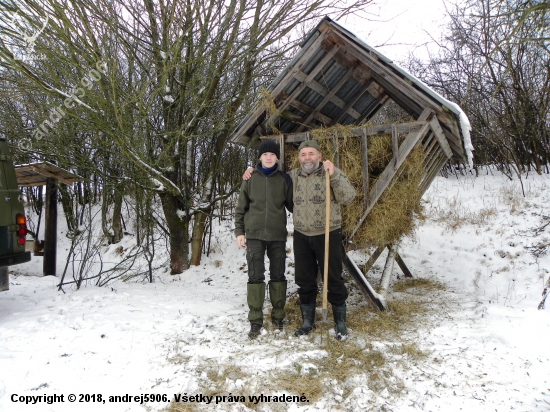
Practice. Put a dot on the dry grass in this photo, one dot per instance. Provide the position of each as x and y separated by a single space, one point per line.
417 283
379 343
394 214
453 215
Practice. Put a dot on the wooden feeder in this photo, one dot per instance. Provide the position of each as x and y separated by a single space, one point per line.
49 175
337 79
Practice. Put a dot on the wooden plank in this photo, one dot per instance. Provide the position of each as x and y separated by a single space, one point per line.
307 110
436 127
282 150
386 273
407 103
436 170
362 282
50 232
326 99
394 145
365 167
403 266
306 81
372 260
359 131
4 279
387 128
313 48
391 80
297 137
352 101
323 91
389 172
378 104
432 170
336 159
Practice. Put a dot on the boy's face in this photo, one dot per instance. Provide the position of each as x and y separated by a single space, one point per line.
268 160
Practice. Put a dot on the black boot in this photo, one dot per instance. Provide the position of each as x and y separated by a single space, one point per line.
255 331
308 319
339 313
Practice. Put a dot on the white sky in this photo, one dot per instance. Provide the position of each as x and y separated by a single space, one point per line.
400 26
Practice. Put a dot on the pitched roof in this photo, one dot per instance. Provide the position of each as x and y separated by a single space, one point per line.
336 78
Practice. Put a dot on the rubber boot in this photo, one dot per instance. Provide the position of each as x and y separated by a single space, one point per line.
339 313
277 295
308 319
255 296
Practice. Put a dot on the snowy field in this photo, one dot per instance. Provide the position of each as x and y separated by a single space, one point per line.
475 340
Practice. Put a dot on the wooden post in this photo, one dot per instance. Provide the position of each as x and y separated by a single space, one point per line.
282 150
394 144
4 279
386 274
336 159
365 166
50 232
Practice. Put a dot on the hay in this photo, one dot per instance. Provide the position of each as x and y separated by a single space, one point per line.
395 213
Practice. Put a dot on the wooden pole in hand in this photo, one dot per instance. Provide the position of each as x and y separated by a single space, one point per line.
327 232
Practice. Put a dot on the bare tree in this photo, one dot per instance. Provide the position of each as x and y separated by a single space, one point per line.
495 62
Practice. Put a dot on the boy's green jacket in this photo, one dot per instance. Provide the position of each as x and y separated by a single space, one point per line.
260 212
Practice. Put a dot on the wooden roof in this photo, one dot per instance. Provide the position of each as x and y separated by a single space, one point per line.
337 79
35 174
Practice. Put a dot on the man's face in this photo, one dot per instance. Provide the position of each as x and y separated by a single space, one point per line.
268 160
309 158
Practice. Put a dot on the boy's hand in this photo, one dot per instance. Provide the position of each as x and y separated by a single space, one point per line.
248 173
241 242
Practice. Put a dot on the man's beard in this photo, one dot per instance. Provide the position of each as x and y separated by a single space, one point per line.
310 167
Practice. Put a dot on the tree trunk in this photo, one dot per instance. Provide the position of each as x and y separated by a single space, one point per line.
179 249
196 238
117 215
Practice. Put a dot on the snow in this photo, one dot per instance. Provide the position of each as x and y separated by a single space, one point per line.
486 341
168 98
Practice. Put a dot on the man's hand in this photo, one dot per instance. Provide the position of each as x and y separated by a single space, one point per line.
328 166
241 242
248 173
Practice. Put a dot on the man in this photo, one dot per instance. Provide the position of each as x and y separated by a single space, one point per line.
260 218
309 234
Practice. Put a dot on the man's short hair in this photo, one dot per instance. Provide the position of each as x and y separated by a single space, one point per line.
309 143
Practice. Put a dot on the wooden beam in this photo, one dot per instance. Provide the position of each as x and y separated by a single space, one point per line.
378 104
389 81
361 281
50 231
407 103
369 131
402 266
312 49
350 104
305 82
326 99
386 274
437 168
388 128
4 279
390 171
394 144
323 91
436 127
365 167
336 159
372 260
307 110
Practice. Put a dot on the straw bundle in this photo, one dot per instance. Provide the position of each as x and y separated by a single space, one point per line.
394 214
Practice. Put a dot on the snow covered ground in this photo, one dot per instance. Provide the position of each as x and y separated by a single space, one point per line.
482 346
